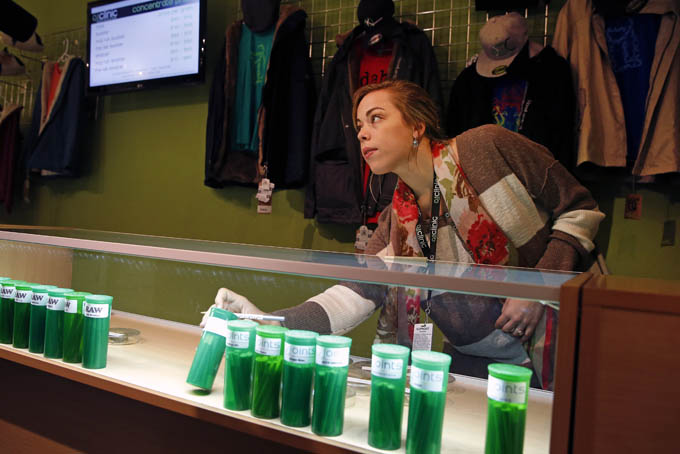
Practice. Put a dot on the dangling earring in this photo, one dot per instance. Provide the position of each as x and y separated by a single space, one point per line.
415 144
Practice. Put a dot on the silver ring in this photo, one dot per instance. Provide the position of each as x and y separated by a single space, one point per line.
518 332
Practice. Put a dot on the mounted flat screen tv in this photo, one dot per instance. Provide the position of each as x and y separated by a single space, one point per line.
135 44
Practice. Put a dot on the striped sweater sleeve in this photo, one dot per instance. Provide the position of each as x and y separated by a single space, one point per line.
344 306
549 215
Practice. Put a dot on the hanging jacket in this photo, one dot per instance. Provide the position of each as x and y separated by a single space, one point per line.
10 139
54 142
547 115
601 137
285 115
335 190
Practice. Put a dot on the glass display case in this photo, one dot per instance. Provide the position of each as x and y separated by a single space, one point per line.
160 286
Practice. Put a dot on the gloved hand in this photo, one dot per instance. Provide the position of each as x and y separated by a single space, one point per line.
233 302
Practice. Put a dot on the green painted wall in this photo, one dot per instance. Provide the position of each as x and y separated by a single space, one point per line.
144 174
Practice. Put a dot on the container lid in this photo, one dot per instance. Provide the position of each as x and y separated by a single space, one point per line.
271 331
301 337
241 325
12 283
390 351
333 341
59 291
510 372
430 360
41 288
51 286
96 299
222 314
77 295
5 279
25 286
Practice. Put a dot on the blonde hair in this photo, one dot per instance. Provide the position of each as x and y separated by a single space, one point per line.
412 101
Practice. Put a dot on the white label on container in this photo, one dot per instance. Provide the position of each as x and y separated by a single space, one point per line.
95 310
298 354
23 296
216 326
387 368
428 380
39 299
71 307
333 357
507 391
267 346
56 304
238 339
8 292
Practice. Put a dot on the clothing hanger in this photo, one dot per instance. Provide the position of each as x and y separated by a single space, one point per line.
65 56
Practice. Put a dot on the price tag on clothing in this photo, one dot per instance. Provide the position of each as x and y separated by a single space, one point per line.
422 336
361 240
264 196
633 209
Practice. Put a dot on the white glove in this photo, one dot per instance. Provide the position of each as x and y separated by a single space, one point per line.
233 302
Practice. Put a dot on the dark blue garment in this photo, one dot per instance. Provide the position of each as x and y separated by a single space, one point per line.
55 138
631 41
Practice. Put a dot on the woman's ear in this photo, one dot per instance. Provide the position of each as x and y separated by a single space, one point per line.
419 131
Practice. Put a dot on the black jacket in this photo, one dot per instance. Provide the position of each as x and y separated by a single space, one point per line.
335 190
286 114
548 108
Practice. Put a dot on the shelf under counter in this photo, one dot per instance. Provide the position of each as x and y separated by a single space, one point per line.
153 372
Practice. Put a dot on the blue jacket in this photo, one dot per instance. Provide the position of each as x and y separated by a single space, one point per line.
54 140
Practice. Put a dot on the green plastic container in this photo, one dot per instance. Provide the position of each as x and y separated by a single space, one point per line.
429 378
388 383
54 322
238 365
97 312
210 349
299 356
73 327
7 293
507 393
36 331
22 314
267 367
330 384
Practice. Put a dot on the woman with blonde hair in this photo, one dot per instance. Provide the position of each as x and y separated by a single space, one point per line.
487 196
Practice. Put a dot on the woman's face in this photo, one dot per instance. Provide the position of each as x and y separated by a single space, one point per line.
385 138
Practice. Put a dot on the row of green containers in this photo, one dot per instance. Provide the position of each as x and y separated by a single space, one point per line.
272 371
58 322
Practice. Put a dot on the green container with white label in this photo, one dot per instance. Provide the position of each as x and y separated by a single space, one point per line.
54 322
238 364
210 349
507 393
7 293
267 368
388 384
330 384
36 330
429 379
299 355
22 315
97 313
73 327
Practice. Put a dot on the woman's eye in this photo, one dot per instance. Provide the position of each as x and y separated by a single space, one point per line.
375 118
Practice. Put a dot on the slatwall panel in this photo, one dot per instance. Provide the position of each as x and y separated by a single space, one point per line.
452 26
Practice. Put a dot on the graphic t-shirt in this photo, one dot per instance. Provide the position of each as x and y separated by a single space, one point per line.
630 43
253 57
374 68
507 102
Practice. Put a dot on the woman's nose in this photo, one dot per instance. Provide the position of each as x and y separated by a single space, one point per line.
361 135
